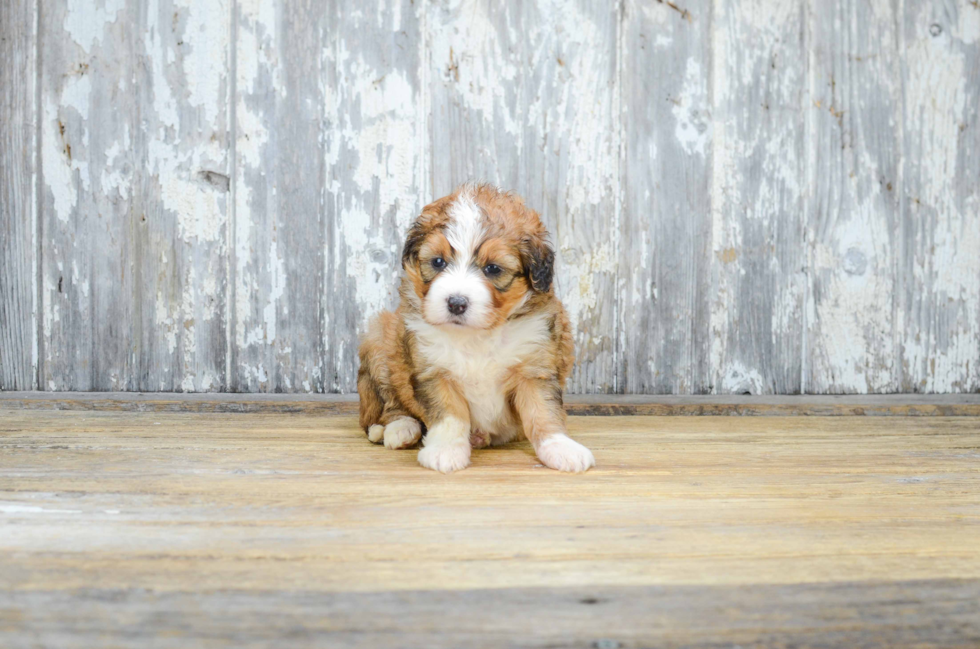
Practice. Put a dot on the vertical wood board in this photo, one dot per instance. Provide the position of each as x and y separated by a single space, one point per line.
666 239
89 115
854 229
181 202
758 193
18 227
372 192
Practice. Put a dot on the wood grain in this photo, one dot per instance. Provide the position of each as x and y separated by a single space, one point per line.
279 236
179 183
476 93
931 613
690 531
854 229
744 195
374 132
758 167
570 157
526 96
89 197
940 208
665 259
18 177
893 405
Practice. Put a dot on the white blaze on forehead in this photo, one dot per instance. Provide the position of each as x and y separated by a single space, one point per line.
460 278
465 229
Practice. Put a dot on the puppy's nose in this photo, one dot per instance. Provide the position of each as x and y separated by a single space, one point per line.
457 304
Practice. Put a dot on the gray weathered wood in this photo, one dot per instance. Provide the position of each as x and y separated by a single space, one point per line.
849 405
757 196
526 96
570 162
854 229
18 227
665 259
181 202
476 93
764 197
181 530
372 191
921 613
88 190
278 220
939 262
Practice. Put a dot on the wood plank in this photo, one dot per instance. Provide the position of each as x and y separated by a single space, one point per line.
570 158
296 501
940 267
758 172
894 405
476 94
18 191
182 205
88 197
374 130
666 258
931 613
279 238
829 531
525 97
854 232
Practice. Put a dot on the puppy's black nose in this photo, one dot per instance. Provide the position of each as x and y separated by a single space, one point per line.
457 304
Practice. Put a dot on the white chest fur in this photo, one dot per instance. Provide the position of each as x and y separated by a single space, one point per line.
479 360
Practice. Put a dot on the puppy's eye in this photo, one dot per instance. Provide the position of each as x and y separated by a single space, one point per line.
491 270
438 263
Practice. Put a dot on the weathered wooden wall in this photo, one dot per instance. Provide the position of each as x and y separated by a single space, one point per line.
765 196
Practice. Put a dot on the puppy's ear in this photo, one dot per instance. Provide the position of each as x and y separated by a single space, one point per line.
539 262
416 235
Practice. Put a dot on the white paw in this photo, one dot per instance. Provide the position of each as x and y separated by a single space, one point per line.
402 433
565 454
446 457
376 433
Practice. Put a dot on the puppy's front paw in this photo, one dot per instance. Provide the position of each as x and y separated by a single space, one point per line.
402 433
376 433
565 454
446 457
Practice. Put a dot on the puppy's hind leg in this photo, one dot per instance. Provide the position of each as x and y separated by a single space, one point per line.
371 406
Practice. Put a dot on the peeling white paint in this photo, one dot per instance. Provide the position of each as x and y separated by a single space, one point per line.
206 64
532 92
474 59
943 337
56 167
693 126
86 20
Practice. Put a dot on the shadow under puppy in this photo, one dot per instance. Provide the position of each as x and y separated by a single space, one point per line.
479 348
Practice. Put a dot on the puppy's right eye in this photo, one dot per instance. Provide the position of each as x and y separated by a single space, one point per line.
438 263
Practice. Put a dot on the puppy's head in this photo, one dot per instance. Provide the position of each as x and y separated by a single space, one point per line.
475 257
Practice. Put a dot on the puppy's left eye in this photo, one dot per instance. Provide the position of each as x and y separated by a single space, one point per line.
491 270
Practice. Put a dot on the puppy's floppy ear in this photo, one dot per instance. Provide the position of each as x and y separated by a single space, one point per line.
539 262
416 235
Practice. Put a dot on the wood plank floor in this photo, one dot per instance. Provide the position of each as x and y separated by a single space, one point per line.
218 529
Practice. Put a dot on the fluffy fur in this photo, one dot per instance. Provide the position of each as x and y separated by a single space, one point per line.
479 348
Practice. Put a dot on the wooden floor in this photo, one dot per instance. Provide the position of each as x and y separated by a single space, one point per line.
240 530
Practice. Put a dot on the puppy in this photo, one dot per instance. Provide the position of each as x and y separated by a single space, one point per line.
479 347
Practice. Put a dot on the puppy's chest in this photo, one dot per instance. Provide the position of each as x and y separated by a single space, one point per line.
480 361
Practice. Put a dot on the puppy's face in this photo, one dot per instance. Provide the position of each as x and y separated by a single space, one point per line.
475 257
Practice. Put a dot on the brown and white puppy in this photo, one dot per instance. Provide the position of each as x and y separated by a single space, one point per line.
479 347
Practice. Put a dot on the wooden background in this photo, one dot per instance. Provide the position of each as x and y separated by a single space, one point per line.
765 196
